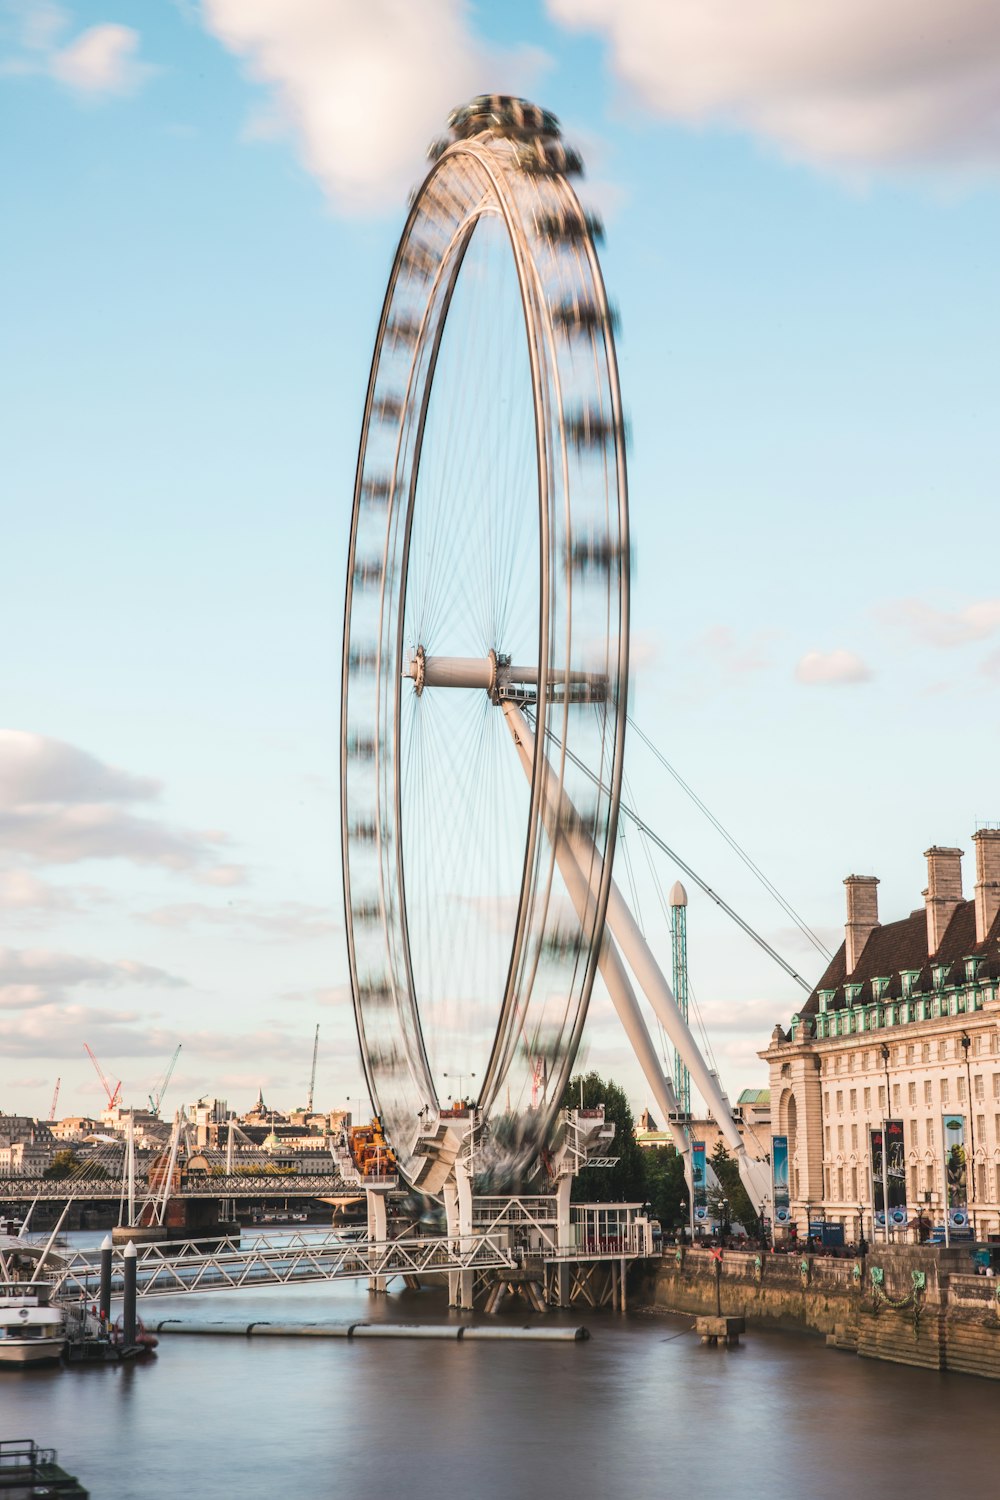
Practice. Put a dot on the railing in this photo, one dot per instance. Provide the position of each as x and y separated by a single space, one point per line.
197 1185
163 1269
24 1457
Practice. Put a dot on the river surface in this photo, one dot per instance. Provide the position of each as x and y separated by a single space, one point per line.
640 1411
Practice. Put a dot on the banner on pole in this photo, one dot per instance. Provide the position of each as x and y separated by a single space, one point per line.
779 1178
889 1138
699 1179
956 1170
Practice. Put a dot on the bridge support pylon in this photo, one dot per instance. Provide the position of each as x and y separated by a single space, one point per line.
458 1212
377 1231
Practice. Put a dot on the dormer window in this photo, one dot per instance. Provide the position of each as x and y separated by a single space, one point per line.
972 970
940 974
851 993
880 987
826 1000
908 978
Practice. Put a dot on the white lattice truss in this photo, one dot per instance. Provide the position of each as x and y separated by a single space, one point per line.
164 1269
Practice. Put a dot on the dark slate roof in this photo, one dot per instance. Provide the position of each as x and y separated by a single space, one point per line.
903 945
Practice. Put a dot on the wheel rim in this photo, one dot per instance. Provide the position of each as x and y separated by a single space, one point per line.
490 519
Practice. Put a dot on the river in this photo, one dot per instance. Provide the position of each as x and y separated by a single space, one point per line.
641 1410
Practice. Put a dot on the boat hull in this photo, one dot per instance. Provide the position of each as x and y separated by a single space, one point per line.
31 1351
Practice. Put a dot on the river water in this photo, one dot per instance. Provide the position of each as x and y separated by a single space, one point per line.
641 1410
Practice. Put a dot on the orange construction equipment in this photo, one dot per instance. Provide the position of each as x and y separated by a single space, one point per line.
372 1154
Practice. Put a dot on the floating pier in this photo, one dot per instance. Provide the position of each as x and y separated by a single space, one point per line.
462 1331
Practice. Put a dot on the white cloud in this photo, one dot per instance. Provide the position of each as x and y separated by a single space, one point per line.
942 627
363 88
102 60
60 805
824 667
36 769
52 1031
31 977
22 893
848 84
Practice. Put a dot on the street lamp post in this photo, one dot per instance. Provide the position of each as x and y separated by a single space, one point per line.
461 1085
970 1170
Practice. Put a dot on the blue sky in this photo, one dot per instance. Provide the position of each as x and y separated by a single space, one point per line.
201 205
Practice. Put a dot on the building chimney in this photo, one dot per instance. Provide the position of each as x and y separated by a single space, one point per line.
862 916
987 842
943 894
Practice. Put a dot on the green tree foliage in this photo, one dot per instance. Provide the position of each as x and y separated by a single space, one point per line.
626 1181
666 1189
66 1163
63 1164
740 1210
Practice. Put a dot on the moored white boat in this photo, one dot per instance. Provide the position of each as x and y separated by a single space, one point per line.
31 1331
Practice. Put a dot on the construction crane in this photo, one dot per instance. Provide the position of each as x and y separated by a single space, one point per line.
312 1075
158 1093
114 1096
55 1099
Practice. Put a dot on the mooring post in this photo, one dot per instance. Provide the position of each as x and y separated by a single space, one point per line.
128 1306
104 1296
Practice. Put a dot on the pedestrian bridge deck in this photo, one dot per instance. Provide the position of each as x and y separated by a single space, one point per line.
168 1268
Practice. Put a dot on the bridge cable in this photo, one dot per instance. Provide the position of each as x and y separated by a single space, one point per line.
736 847
682 864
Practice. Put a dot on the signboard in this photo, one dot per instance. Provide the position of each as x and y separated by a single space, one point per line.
956 1170
779 1178
699 1179
894 1174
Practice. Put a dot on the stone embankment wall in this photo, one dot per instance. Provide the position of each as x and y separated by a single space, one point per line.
910 1305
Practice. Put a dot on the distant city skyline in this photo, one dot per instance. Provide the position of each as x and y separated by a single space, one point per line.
203 201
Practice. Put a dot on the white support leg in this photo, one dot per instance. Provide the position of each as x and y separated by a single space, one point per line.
457 1193
377 1231
644 966
609 961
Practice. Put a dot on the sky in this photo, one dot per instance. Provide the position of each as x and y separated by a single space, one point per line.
200 205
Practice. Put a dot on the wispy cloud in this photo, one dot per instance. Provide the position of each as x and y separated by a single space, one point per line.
100 62
283 921
736 657
31 977
61 805
847 85
831 668
53 1031
944 628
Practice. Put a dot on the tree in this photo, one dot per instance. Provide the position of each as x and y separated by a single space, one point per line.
66 1163
741 1210
626 1181
666 1187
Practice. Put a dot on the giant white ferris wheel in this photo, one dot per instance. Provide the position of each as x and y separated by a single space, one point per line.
485 659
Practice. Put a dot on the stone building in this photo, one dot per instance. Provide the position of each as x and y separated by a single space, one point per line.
904 1025
752 1113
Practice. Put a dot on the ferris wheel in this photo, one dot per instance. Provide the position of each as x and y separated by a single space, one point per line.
485 658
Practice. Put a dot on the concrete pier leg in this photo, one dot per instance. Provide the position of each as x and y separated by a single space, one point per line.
377 1231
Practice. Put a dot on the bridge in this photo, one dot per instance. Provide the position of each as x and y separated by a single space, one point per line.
237 1185
166 1269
